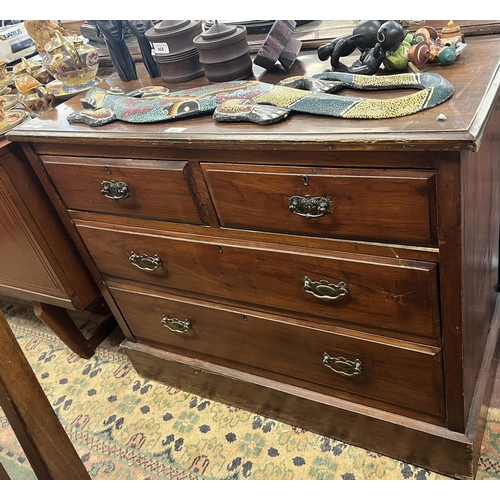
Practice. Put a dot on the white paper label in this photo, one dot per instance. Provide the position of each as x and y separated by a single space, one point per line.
175 129
161 48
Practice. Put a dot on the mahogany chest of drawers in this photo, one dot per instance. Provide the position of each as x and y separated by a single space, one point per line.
339 275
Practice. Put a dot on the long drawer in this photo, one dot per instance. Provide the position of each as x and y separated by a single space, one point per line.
139 188
396 372
394 205
388 293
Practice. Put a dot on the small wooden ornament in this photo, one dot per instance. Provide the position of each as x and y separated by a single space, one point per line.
419 54
279 45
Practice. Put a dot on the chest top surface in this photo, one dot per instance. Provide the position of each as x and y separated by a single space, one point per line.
475 77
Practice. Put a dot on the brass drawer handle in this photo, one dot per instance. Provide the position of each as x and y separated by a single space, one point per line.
322 289
175 324
144 262
343 366
115 190
310 207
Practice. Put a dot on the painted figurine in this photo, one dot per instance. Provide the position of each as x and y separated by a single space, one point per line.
398 59
427 46
32 94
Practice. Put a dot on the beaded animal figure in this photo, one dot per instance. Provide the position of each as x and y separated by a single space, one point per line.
264 103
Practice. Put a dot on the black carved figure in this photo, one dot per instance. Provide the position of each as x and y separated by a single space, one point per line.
364 37
139 28
390 35
372 38
118 50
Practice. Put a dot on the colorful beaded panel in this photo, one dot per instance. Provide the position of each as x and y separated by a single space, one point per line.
292 94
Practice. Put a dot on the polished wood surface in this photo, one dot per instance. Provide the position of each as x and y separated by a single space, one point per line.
431 446
415 237
42 227
480 264
23 264
31 416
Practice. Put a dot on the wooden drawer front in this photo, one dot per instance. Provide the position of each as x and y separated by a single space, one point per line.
155 189
375 205
388 293
396 372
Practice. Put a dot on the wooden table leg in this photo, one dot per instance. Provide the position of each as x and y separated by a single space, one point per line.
59 321
44 441
3 473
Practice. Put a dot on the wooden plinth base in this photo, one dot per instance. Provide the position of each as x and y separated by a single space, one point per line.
426 445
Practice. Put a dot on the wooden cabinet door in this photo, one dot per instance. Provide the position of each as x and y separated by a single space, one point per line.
23 266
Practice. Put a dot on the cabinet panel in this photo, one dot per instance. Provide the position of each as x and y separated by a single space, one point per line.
23 265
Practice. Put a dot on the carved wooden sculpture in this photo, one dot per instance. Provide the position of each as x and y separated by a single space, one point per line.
139 29
120 55
372 38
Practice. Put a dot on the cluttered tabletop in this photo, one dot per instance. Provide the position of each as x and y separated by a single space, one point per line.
43 95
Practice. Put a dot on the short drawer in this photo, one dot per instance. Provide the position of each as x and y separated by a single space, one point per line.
396 372
362 204
388 293
139 188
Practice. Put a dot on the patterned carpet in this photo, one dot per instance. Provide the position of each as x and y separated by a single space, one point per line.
126 427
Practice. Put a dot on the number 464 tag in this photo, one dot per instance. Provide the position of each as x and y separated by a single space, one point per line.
160 48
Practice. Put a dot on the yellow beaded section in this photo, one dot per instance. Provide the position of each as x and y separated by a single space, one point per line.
99 98
98 113
281 96
389 108
387 80
234 106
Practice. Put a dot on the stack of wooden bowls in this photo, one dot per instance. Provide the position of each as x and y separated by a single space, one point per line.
174 51
224 52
